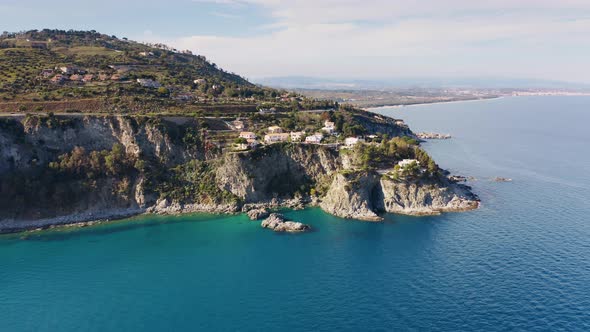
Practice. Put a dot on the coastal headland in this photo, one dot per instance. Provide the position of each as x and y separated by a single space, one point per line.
108 129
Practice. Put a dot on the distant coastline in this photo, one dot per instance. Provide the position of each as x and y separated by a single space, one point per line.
433 103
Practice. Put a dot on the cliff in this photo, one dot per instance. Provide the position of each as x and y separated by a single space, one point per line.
366 194
277 171
68 169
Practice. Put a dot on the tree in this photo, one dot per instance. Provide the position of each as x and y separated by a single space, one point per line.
162 91
241 140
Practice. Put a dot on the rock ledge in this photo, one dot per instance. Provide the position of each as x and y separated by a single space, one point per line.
278 223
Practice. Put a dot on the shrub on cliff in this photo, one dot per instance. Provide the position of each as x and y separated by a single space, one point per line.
193 181
96 164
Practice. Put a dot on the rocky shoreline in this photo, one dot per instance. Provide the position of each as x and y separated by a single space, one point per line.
78 219
259 210
424 135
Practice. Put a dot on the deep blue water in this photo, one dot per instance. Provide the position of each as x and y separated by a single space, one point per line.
521 262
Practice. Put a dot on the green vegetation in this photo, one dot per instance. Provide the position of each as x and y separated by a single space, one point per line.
49 121
96 164
390 151
74 174
194 182
54 70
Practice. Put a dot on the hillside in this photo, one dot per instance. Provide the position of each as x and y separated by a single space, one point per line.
85 71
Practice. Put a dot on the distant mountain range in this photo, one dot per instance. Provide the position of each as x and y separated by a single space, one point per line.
303 82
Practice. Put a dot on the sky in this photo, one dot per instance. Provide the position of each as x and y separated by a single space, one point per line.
368 39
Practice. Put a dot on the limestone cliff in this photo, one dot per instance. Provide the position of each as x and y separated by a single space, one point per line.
277 171
366 194
350 198
424 197
30 191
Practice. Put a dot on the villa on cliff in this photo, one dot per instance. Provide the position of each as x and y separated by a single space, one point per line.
329 127
250 143
276 137
247 135
297 136
407 162
352 141
314 139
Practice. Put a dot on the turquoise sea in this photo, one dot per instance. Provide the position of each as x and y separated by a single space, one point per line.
521 262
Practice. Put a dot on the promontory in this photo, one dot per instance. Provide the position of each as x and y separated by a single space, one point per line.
96 127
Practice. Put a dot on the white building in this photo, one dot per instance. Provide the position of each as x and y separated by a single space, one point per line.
247 135
407 162
267 110
329 127
314 139
297 136
238 124
351 141
68 70
276 137
148 83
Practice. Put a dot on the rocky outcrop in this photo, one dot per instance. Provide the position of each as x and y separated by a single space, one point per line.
256 214
374 124
365 195
278 223
165 206
425 197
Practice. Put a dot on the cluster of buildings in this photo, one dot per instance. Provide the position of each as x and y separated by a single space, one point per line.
251 141
276 134
63 74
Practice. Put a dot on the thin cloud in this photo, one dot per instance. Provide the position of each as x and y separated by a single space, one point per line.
385 37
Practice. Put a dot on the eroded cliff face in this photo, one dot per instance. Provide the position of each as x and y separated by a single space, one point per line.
366 194
352 198
28 142
277 171
29 191
425 197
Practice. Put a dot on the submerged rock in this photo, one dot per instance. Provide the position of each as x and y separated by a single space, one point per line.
278 223
457 178
501 179
257 214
